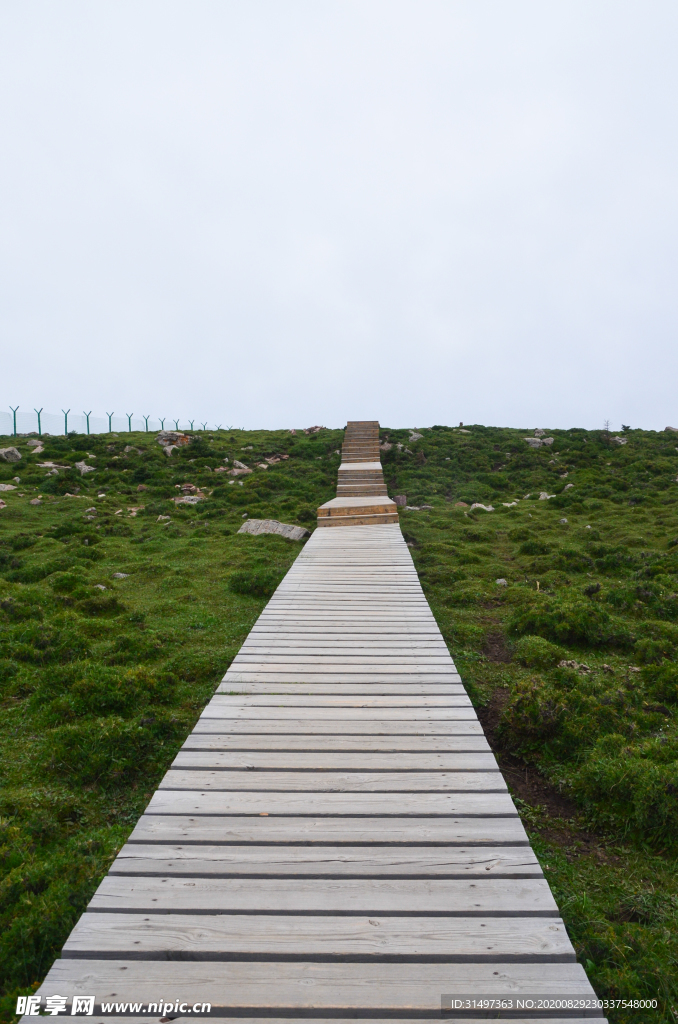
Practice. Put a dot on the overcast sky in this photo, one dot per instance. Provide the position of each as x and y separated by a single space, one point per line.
276 213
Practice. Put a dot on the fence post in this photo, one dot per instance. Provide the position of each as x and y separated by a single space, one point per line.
162 423
146 419
110 415
191 422
14 411
87 416
129 420
204 426
219 427
176 424
65 412
39 427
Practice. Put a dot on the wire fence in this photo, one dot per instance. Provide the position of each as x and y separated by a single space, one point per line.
21 421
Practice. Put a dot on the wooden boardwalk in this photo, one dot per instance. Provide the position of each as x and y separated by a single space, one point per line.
334 839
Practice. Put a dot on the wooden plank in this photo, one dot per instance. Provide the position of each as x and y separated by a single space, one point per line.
434 897
391 715
246 987
324 744
344 804
193 937
332 781
335 727
307 830
319 700
191 860
350 689
401 762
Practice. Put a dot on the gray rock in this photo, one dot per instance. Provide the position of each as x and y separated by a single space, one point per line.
673 429
257 526
401 500
239 465
414 436
502 582
189 499
619 440
100 586
10 454
84 468
534 442
175 437
562 521
124 575
567 487
7 487
543 496
485 508
539 433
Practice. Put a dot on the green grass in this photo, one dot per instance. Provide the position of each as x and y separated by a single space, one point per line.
100 687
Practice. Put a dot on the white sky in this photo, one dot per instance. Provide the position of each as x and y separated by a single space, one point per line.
273 213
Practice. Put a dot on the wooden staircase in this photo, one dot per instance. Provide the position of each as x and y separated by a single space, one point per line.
360 481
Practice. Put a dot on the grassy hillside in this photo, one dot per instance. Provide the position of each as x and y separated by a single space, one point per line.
100 686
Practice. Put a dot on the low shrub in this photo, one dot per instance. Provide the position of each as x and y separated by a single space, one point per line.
254 582
535 652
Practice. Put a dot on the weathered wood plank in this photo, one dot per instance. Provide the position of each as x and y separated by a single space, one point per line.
389 989
215 709
224 829
213 760
370 861
182 937
344 804
320 700
333 781
455 897
321 744
335 727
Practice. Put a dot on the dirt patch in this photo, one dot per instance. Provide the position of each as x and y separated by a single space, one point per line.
526 782
495 648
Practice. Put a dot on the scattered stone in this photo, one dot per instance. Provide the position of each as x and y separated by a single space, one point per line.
169 448
485 508
239 465
128 448
502 582
674 429
588 527
133 511
10 454
619 440
509 504
7 487
461 430
188 488
537 442
92 509
607 668
3 504
35 501
414 436
634 668
100 586
34 443
385 446
292 431
543 496
539 433
575 665
16 479
562 521
84 468
564 476
172 437
221 469
239 472
412 508
312 430
461 504
262 465
401 500
257 526
247 448
142 487
189 499
124 575
567 487
163 519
